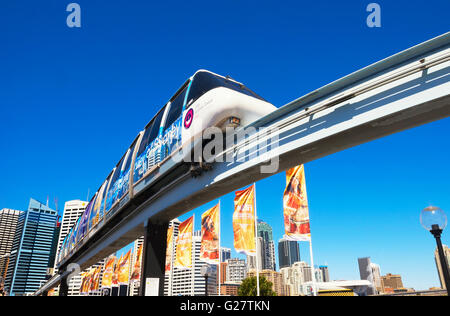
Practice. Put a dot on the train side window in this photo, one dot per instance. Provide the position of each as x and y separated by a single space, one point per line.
176 106
151 132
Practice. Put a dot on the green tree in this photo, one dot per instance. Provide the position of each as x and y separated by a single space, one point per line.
248 287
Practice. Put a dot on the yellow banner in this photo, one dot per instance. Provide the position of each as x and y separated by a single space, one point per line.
244 221
115 277
95 285
108 272
209 249
169 249
136 275
124 268
86 281
183 257
295 204
83 282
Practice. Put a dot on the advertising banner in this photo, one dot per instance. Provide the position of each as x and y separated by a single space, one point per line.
83 282
169 248
183 257
86 282
95 284
244 221
136 274
209 249
115 276
124 269
295 205
108 272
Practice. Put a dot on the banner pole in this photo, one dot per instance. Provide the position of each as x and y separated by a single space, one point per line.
193 256
256 242
220 250
172 255
313 274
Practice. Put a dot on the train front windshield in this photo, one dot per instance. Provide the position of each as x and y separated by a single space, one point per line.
204 81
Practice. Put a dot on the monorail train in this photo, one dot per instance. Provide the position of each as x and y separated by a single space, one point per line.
204 100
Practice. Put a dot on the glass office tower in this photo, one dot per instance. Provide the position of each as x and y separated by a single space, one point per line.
31 250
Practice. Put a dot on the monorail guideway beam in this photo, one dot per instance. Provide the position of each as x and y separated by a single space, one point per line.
403 91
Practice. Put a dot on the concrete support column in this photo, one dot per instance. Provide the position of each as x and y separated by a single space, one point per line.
154 255
63 287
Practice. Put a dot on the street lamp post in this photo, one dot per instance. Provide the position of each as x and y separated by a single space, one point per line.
434 220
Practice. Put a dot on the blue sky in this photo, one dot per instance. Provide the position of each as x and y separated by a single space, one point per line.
72 100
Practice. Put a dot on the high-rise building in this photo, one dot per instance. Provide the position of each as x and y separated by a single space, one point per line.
376 273
169 276
278 285
296 276
236 270
325 273
439 266
268 247
288 253
52 259
225 254
366 273
252 260
8 226
134 285
391 282
31 249
191 281
72 211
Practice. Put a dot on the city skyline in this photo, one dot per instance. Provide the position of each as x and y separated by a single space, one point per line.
364 201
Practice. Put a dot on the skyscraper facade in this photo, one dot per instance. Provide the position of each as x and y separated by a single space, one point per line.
366 273
296 276
268 248
134 285
236 270
169 276
72 211
8 226
325 273
31 249
276 278
376 273
225 254
191 281
288 253
391 282
259 258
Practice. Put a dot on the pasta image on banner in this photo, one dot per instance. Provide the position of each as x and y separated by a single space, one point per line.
295 206
183 257
108 272
209 249
169 248
244 221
